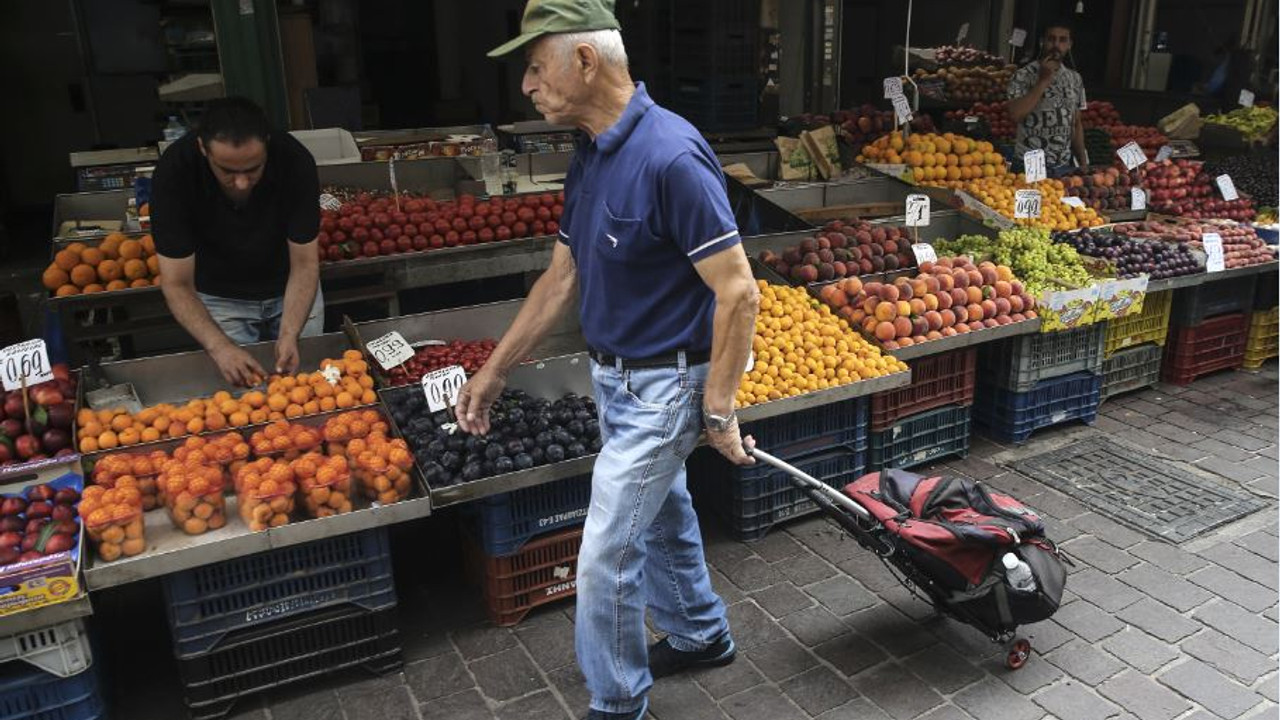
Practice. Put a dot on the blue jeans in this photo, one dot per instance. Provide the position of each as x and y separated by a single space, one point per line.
251 321
641 546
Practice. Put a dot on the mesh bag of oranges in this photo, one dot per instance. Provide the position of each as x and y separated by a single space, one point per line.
324 484
193 496
381 466
265 490
355 425
113 519
143 468
286 440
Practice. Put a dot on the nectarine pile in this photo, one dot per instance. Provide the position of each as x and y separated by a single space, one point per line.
116 263
840 250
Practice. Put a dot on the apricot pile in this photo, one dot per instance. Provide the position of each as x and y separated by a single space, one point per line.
113 519
340 429
381 466
193 496
265 490
117 263
999 194
801 346
936 158
285 440
141 468
324 484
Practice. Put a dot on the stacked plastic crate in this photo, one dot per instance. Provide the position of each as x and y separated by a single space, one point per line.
523 549
928 419
1208 329
1033 381
715 66
1264 335
49 673
827 442
261 621
1135 346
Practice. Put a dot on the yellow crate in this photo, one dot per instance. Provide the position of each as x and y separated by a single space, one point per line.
1149 326
1264 338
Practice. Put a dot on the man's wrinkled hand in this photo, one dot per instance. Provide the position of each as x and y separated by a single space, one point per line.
729 443
237 366
474 400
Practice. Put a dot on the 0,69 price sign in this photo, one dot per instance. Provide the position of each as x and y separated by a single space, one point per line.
25 363
441 387
389 350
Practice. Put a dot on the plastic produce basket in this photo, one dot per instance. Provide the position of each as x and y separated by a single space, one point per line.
752 500
922 438
1149 326
1213 345
1264 338
504 523
31 694
206 603
1018 363
543 571
61 649
786 436
936 380
1011 417
286 651
1194 305
1131 369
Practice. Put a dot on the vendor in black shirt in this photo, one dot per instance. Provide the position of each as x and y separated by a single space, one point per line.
235 212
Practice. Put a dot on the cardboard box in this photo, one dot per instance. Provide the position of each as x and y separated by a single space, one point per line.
47 580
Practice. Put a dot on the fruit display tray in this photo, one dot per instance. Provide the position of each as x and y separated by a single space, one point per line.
1149 326
1131 369
921 438
1011 417
936 380
1019 363
1216 344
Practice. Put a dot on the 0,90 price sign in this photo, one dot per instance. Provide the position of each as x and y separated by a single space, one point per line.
441 387
25 363
1026 204
389 350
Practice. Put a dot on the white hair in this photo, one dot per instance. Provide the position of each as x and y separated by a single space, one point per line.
608 45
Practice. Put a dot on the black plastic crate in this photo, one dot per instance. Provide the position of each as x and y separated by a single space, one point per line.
715 51
1193 305
1011 417
1018 363
1131 369
504 523
1266 293
206 603
30 694
717 103
729 15
922 438
790 435
286 651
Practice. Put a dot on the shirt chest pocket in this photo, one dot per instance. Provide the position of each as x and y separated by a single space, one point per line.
623 238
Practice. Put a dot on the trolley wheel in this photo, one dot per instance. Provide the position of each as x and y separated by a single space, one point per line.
1019 653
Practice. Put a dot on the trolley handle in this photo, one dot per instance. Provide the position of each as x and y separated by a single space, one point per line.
808 481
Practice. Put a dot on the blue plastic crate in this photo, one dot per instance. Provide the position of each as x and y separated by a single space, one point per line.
1011 417
206 603
921 438
793 434
31 694
506 522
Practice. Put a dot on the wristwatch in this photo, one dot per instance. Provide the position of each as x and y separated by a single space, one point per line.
718 423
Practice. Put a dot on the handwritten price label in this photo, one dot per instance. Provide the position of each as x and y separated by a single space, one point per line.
1164 153
1131 155
1073 201
1227 187
924 253
329 202
1137 199
1246 98
964 33
917 210
892 87
389 350
27 361
902 109
1026 204
1018 37
1213 249
1034 166
441 387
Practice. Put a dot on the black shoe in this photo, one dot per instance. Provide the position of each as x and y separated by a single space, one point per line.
636 714
665 660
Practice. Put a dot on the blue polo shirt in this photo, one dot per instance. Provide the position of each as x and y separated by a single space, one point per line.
645 201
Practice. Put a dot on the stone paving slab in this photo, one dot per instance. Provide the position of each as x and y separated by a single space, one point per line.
1152 630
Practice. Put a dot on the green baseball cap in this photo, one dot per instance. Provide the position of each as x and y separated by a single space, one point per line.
547 17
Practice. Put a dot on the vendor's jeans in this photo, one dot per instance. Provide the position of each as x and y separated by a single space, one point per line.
251 321
641 545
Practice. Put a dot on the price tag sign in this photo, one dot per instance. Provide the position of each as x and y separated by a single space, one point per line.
329 202
1018 37
1073 201
389 350
1164 153
27 361
1034 166
901 109
924 253
1246 97
1026 204
1227 187
1213 249
1137 199
892 86
970 119
964 33
441 387
917 210
1131 155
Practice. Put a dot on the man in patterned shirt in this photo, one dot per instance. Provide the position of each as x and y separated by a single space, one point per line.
1045 100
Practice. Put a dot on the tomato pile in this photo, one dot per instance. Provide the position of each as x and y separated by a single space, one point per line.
470 354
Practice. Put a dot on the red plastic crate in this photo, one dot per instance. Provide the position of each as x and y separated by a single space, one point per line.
936 381
543 571
1216 344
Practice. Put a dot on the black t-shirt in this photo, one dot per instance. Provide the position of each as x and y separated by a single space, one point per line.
240 252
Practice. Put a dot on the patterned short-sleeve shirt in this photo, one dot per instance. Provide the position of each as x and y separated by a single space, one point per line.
1048 126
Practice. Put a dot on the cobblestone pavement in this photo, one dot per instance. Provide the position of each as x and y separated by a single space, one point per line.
1149 630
